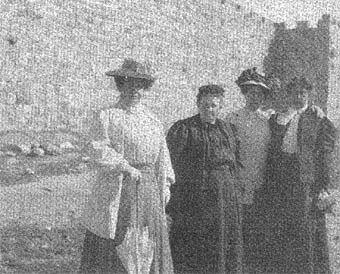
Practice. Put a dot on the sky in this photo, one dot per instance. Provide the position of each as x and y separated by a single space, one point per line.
290 11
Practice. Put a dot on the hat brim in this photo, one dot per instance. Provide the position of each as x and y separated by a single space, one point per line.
124 73
254 83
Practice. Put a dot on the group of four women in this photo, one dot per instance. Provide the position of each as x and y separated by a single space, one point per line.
243 194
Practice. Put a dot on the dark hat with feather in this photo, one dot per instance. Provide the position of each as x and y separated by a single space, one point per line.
252 77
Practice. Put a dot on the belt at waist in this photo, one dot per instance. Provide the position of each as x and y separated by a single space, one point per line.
219 166
144 167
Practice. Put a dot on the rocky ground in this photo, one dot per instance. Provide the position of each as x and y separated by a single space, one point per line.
40 231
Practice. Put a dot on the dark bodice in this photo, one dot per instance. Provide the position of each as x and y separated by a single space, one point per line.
202 157
204 203
282 167
207 145
197 145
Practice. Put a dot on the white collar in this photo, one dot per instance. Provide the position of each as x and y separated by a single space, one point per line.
138 108
265 114
302 110
285 118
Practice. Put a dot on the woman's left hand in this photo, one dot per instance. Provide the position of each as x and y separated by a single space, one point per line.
326 202
319 111
168 221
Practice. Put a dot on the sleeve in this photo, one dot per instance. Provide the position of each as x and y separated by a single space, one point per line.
325 144
237 145
231 118
101 151
334 163
176 141
168 176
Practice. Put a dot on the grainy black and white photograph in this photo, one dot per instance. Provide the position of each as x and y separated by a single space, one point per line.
170 136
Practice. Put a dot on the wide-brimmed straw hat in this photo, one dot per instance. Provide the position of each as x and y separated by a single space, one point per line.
133 69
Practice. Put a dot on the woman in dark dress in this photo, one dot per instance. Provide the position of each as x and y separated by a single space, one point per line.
206 234
296 180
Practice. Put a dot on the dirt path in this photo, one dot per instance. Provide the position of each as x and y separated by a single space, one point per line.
56 201
47 201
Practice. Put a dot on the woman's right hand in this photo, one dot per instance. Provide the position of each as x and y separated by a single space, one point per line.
134 174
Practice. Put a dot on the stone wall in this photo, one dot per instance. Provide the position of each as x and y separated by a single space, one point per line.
334 73
302 51
54 55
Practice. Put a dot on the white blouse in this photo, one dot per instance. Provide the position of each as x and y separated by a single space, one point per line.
253 130
124 137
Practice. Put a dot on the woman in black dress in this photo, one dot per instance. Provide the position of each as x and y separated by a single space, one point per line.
206 235
296 180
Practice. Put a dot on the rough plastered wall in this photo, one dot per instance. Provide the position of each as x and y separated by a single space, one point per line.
302 51
54 55
313 52
333 105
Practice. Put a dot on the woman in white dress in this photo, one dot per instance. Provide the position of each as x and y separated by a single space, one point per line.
125 221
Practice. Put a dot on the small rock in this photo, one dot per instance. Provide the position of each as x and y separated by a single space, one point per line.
12 161
82 167
35 144
10 153
25 149
51 149
37 151
29 171
66 146
12 240
46 189
85 159
73 170
12 147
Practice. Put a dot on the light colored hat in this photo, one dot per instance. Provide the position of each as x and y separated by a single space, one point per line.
133 69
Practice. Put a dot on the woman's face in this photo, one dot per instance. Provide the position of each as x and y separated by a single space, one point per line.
130 87
278 101
299 99
255 96
209 107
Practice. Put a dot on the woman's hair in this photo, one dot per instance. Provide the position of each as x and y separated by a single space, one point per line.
140 82
245 89
213 90
300 85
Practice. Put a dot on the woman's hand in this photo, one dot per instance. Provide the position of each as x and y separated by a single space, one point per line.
169 221
326 202
133 174
319 112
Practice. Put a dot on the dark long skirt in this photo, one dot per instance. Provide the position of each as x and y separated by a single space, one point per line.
294 230
206 236
250 230
99 256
